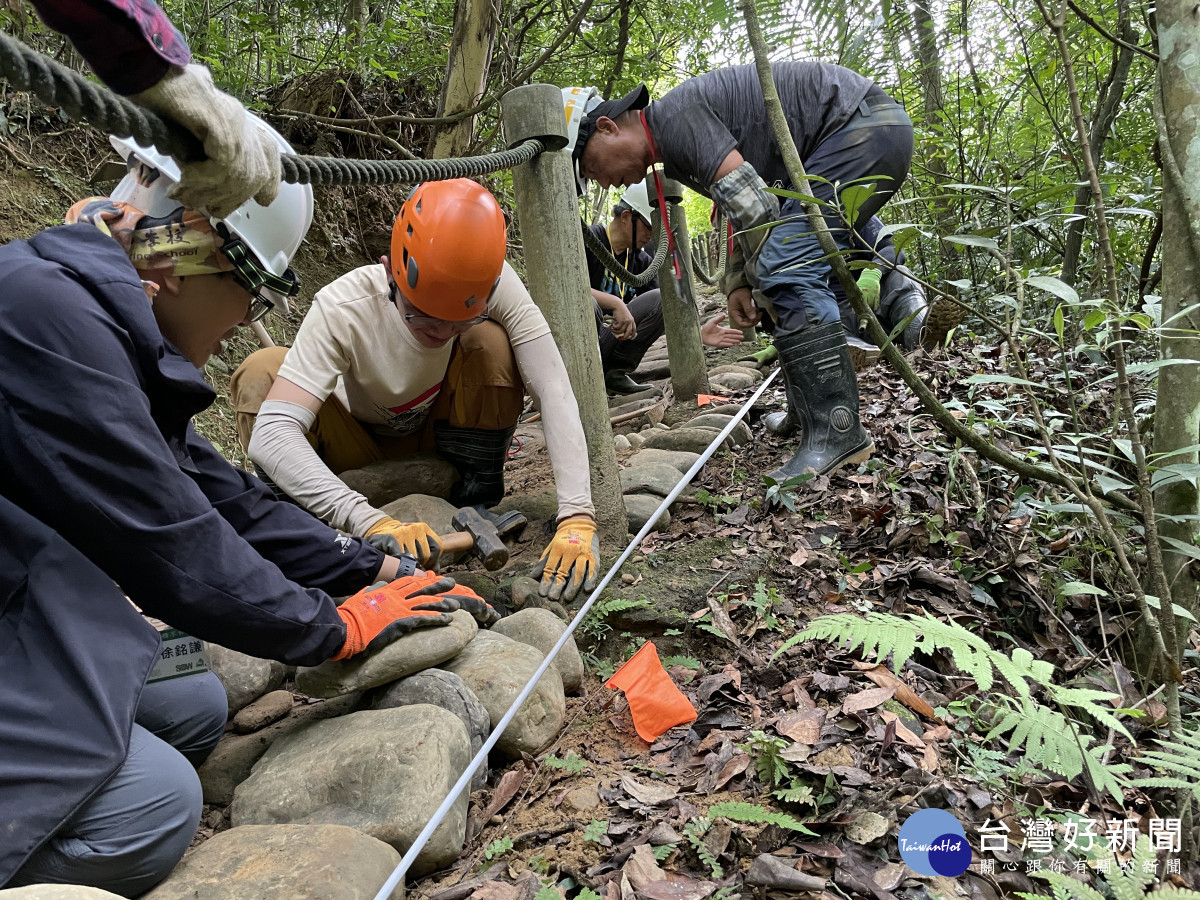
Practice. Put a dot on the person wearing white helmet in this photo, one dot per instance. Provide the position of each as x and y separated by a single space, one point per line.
628 319
109 498
635 313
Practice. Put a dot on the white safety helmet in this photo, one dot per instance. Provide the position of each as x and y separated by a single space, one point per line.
272 234
577 103
636 198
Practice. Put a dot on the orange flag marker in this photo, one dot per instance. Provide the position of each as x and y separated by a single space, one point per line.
656 703
706 399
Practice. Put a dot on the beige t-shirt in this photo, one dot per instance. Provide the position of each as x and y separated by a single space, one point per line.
353 343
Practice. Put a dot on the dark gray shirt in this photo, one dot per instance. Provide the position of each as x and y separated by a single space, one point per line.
697 124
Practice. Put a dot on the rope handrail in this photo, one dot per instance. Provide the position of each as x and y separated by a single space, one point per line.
610 262
723 243
82 100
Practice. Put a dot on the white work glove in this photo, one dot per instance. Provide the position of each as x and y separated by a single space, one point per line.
243 160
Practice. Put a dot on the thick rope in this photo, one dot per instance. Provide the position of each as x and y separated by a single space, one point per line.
56 85
641 279
723 243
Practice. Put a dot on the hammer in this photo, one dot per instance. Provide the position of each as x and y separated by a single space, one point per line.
483 534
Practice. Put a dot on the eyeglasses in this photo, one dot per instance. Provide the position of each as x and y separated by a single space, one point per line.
414 317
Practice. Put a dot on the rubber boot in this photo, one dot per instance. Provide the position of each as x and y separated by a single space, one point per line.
618 381
907 301
781 422
479 455
823 398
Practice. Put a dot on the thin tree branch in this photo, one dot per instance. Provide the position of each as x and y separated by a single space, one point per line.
1108 35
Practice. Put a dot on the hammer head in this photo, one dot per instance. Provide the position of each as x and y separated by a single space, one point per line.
488 545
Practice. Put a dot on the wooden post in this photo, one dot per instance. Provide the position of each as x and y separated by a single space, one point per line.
689 376
548 214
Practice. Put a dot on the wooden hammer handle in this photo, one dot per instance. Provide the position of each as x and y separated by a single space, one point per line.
456 542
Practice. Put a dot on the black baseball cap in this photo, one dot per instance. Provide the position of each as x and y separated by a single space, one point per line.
638 98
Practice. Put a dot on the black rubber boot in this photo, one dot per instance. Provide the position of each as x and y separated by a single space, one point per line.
823 398
479 455
618 382
904 298
781 422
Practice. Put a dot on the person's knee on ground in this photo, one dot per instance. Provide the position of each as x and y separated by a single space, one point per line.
132 832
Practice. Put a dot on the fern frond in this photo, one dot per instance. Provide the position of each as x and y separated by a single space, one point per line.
1130 882
1106 776
1176 784
1185 767
1069 886
1047 737
1173 893
880 635
694 831
748 812
1092 702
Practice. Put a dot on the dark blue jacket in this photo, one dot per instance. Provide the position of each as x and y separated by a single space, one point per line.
107 492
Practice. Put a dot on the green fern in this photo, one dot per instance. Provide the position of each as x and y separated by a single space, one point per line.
1129 883
881 635
1049 739
748 812
797 792
694 831
1180 756
572 763
596 831
771 767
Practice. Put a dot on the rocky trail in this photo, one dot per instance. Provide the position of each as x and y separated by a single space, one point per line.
806 757
801 766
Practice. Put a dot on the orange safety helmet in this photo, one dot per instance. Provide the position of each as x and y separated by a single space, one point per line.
448 248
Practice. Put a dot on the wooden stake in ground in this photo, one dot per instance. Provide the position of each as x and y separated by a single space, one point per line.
680 318
557 274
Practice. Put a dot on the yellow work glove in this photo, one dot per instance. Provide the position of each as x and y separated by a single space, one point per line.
571 562
414 538
868 283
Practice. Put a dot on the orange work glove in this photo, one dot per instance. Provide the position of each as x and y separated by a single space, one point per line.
414 538
655 703
466 599
376 616
571 561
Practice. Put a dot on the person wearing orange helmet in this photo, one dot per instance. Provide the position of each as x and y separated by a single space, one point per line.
432 349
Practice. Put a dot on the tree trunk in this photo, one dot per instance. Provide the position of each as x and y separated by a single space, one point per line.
1107 104
929 73
475 24
356 17
1177 416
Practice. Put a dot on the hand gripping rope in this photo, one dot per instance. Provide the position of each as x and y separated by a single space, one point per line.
56 85
477 760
